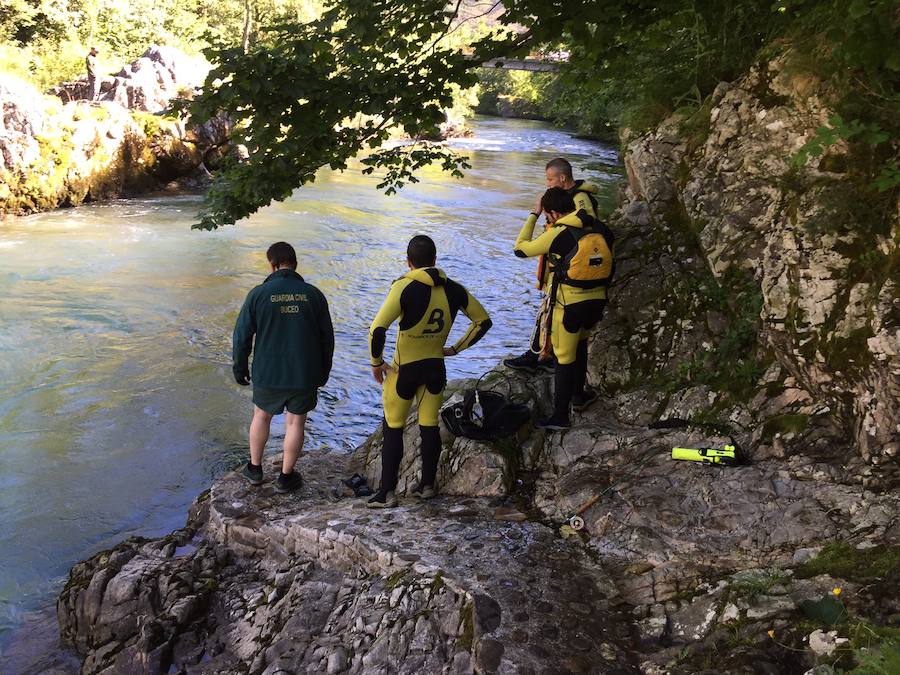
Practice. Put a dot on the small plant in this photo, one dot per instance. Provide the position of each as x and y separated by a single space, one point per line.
882 660
751 586
839 130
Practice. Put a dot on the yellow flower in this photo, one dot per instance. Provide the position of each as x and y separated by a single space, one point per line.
772 634
836 591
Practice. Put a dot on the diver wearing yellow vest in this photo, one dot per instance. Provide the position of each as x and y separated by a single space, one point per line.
426 302
558 173
578 305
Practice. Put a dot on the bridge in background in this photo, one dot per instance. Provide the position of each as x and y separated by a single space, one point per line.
536 62
530 64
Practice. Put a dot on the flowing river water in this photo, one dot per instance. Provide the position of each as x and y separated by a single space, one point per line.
118 406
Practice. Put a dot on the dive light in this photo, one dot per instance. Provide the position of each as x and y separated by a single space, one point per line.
725 456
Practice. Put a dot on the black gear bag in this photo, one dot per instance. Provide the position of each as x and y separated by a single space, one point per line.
485 415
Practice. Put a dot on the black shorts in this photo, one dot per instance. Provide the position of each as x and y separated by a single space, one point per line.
274 401
430 373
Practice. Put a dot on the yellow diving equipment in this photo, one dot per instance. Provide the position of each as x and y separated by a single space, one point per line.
725 456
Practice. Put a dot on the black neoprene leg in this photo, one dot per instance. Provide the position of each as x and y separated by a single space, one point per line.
391 454
564 384
536 338
431 452
581 367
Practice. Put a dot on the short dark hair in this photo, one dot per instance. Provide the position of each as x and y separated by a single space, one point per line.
560 165
421 251
557 199
282 253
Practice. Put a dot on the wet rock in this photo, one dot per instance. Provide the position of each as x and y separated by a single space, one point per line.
488 613
490 652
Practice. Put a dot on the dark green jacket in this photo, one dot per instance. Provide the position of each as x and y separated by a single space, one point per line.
294 336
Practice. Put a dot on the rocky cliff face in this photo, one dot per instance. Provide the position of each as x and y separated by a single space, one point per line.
817 256
61 154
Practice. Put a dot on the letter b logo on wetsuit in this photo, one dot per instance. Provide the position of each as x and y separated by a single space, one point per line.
436 319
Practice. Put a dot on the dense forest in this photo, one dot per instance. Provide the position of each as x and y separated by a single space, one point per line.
344 76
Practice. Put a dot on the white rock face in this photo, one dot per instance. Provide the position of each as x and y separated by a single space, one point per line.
150 83
23 113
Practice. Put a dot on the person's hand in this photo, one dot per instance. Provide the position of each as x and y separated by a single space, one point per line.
537 206
242 379
448 351
380 372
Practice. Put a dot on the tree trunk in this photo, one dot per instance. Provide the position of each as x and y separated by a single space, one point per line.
247 19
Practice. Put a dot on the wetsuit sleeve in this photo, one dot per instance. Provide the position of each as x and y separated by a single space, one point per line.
584 201
242 338
526 247
390 311
481 323
526 233
326 340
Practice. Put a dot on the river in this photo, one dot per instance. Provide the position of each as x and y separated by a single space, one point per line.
118 406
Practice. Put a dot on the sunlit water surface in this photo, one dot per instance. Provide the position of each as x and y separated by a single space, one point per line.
118 406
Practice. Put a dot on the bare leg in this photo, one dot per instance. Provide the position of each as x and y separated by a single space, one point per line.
259 434
294 431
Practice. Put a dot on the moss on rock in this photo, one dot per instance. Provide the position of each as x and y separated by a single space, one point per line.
862 565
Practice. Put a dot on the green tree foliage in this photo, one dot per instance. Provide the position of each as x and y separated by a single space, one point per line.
313 83
856 45
46 40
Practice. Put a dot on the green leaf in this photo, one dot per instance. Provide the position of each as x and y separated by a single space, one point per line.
828 610
859 9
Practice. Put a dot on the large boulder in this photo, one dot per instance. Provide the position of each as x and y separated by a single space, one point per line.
23 115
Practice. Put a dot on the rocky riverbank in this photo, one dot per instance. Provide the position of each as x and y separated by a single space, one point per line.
752 307
693 560
62 151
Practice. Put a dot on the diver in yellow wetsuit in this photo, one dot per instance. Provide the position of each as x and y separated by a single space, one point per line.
558 173
576 310
426 302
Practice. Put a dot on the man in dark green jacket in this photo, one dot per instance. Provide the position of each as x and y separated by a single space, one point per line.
291 359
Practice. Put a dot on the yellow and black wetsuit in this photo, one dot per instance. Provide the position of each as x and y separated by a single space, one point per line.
583 194
426 302
575 311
